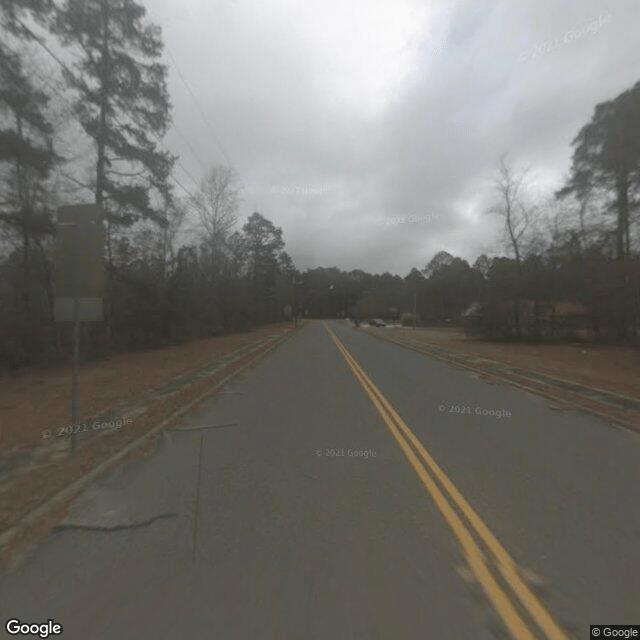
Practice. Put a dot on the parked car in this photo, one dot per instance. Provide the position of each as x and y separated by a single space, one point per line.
377 322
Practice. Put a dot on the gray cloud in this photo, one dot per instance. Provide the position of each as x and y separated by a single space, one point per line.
379 162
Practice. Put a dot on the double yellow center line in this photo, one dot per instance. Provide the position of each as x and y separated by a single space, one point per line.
503 599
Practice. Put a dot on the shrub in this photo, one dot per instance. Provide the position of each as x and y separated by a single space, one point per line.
22 344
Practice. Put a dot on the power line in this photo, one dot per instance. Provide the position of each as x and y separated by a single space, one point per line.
192 94
39 40
182 186
193 153
195 182
200 109
80 83
45 81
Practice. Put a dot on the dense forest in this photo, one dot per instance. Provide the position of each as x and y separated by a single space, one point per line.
84 108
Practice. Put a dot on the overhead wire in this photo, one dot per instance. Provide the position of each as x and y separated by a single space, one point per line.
193 96
40 41
200 109
193 152
45 81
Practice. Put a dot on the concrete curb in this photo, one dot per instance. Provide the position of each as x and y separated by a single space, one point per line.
77 486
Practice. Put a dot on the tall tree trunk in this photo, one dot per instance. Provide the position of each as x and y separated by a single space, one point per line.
101 165
516 299
24 211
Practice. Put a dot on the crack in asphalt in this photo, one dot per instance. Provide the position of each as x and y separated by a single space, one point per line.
122 527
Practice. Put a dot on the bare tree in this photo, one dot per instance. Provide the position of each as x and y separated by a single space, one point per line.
513 205
518 213
174 219
216 203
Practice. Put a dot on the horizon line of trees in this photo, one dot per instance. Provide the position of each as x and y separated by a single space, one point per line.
91 129
572 268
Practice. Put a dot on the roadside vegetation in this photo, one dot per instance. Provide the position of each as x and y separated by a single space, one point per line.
84 108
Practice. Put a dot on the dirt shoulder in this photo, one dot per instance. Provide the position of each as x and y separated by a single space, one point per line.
137 389
614 369
39 400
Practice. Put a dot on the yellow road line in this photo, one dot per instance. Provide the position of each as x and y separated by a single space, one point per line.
506 565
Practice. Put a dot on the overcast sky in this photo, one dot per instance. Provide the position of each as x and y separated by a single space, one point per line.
370 130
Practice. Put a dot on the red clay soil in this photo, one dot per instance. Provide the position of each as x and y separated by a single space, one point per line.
33 402
40 400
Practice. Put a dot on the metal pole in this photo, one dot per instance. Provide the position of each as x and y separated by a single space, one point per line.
296 301
76 340
197 505
415 306
293 300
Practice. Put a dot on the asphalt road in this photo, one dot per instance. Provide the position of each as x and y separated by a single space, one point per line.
258 521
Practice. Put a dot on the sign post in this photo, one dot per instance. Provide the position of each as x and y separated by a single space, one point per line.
79 300
75 384
296 301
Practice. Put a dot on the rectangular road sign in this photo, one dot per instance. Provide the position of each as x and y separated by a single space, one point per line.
79 280
89 309
79 262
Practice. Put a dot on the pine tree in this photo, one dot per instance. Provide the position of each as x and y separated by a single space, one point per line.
264 243
26 149
607 157
123 104
13 12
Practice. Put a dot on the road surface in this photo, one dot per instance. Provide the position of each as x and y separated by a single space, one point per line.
348 488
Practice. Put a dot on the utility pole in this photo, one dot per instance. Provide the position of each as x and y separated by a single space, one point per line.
415 307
